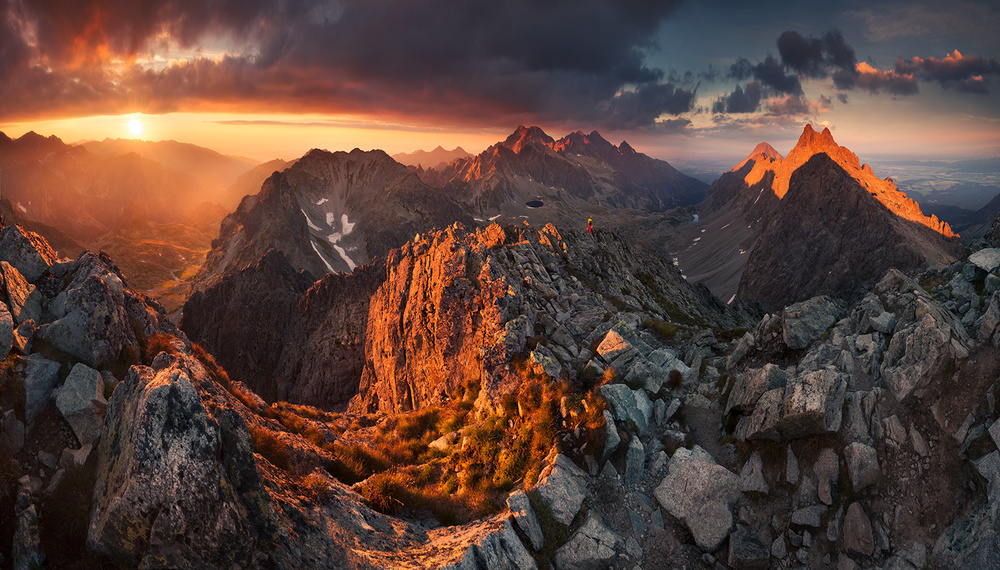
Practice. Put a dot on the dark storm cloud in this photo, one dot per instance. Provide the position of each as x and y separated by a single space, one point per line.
954 71
740 100
769 72
557 60
816 57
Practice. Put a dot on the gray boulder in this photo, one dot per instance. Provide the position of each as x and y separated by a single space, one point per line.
23 335
751 385
635 459
563 487
524 516
701 494
644 374
591 547
27 251
884 323
752 475
746 550
813 404
190 489
629 406
27 549
40 376
862 465
503 550
81 402
93 324
811 516
986 259
806 321
611 437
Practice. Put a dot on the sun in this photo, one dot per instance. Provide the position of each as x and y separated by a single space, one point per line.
135 126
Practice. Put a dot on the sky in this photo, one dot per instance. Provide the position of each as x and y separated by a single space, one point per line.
682 81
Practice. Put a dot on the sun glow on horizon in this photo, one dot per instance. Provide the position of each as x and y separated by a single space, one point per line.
135 126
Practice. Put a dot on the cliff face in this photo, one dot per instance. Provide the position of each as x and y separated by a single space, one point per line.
282 334
452 307
829 235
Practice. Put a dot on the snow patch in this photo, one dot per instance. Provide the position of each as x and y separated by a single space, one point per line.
348 226
322 201
731 299
323 259
479 220
350 262
22 208
696 217
702 231
330 218
495 217
696 240
308 221
723 227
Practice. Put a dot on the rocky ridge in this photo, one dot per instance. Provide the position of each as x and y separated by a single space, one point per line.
450 307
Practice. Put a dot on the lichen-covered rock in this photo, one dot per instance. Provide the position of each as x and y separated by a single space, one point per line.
93 324
986 259
806 321
592 546
752 475
563 487
813 404
81 402
176 485
501 550
524 516
752 384
27 251
701 494
746 550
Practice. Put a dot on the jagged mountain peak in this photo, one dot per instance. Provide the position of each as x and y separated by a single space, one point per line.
762 150
523 136
810 144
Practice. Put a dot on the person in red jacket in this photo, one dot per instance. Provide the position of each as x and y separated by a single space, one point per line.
590 225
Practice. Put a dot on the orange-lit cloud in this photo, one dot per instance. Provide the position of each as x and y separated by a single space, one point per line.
954 71
565 60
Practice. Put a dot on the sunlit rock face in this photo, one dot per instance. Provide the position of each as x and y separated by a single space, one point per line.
812 143
829 235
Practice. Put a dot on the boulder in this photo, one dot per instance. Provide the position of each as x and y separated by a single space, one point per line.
27 251
827 470
635 459
81 402
746 550
563 487
611 437
40 376
751 385
986 259
6 330
11 433
23 335
809 516
701 494
884 322
614 347
93 324
858 538
862 465
27 549
24 299
629 406
916 354
172 493
592 546
644 374
806 321
763 422
503 550
813 404
752 475
524 516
